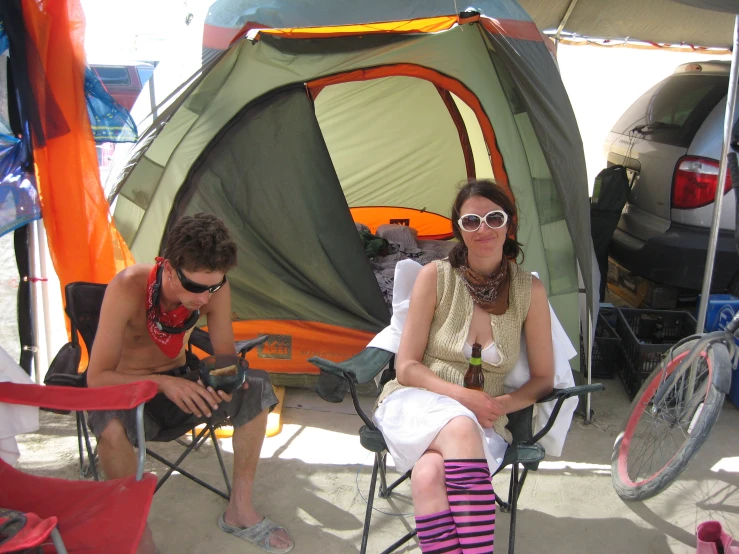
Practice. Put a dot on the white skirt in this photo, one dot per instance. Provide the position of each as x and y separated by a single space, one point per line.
411 418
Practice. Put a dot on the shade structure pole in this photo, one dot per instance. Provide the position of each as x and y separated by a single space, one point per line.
589 361
43 253
723 166
32 243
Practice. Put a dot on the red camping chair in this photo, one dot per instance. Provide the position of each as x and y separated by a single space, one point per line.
76 516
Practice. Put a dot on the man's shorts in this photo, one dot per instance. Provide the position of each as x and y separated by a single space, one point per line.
164 421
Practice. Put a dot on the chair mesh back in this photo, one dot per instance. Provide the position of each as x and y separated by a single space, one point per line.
331 388
84 301
520 424
11 522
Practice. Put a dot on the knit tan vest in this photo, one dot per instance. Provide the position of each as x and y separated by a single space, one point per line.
450 328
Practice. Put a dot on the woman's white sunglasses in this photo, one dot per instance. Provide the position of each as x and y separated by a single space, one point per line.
471 222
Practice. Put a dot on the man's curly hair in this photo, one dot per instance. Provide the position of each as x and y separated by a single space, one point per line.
200 242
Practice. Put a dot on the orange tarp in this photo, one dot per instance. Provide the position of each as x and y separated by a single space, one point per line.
83 241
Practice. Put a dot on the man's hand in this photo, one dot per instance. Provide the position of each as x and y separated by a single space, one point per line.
486 408
191 397
224 396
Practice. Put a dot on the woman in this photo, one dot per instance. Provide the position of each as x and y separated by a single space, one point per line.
455 438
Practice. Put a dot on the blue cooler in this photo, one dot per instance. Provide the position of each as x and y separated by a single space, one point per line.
721 310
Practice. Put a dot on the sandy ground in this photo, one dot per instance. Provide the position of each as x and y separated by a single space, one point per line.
314 476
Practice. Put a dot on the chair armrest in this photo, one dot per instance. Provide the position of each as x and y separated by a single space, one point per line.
560 395
118 397
244 346
337 377
570 392
361 368
201 339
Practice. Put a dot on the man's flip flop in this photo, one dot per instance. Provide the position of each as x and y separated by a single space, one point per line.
258 534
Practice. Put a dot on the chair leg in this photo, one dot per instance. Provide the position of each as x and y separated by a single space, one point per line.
220 457
370 501
521 480
56 539
176 467
384 492
79 445
397 544
513 499
90 454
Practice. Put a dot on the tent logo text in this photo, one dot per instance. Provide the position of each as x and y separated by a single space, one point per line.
277 346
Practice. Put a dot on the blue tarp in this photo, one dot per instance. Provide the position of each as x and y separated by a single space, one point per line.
19 202
110 121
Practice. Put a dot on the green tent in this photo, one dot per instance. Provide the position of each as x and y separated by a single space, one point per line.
333 116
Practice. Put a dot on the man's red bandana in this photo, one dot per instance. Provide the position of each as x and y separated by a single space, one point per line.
170 344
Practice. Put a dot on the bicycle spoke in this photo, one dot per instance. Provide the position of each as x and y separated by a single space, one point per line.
663 429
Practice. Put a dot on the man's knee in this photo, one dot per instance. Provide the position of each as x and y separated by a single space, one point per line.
114 433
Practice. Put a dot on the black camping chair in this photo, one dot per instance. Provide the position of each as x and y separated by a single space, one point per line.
84 301
523 455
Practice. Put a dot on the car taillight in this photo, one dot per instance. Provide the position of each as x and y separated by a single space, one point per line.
694 182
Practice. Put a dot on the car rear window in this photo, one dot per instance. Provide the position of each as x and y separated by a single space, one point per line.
112 75
672 111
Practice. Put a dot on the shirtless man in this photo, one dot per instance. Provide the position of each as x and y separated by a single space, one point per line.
147 316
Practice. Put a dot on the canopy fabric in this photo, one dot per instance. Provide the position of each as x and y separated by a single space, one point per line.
659 21
728 6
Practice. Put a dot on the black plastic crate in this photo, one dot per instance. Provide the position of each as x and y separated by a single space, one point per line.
605 346
645 336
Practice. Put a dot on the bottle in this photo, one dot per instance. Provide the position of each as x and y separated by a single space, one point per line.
474 379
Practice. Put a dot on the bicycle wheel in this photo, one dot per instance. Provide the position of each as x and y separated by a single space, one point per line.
659 437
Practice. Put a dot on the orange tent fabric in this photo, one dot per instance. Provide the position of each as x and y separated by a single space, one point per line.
83 241
425 25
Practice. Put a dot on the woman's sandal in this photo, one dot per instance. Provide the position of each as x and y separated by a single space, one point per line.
257 534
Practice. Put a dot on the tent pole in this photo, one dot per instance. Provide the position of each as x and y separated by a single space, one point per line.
152 98
566 16
728 122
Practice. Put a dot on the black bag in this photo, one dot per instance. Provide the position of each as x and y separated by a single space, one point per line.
610 193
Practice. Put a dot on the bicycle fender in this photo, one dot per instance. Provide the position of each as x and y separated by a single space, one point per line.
722 370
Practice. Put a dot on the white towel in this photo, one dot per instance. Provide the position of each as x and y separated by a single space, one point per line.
14 419
389 339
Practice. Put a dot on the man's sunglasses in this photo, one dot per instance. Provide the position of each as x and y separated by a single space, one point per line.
197 288
471 222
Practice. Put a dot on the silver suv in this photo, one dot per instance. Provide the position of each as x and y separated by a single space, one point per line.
670 142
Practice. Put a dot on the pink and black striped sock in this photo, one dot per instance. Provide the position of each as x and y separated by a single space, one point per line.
437 534
472 503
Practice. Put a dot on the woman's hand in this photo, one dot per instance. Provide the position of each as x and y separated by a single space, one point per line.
486 408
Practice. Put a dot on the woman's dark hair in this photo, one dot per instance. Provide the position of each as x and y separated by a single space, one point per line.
493 192
200 242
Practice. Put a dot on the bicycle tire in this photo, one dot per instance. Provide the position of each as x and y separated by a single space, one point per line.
716 359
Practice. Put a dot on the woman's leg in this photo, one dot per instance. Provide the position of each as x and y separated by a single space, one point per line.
468 484
434 523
